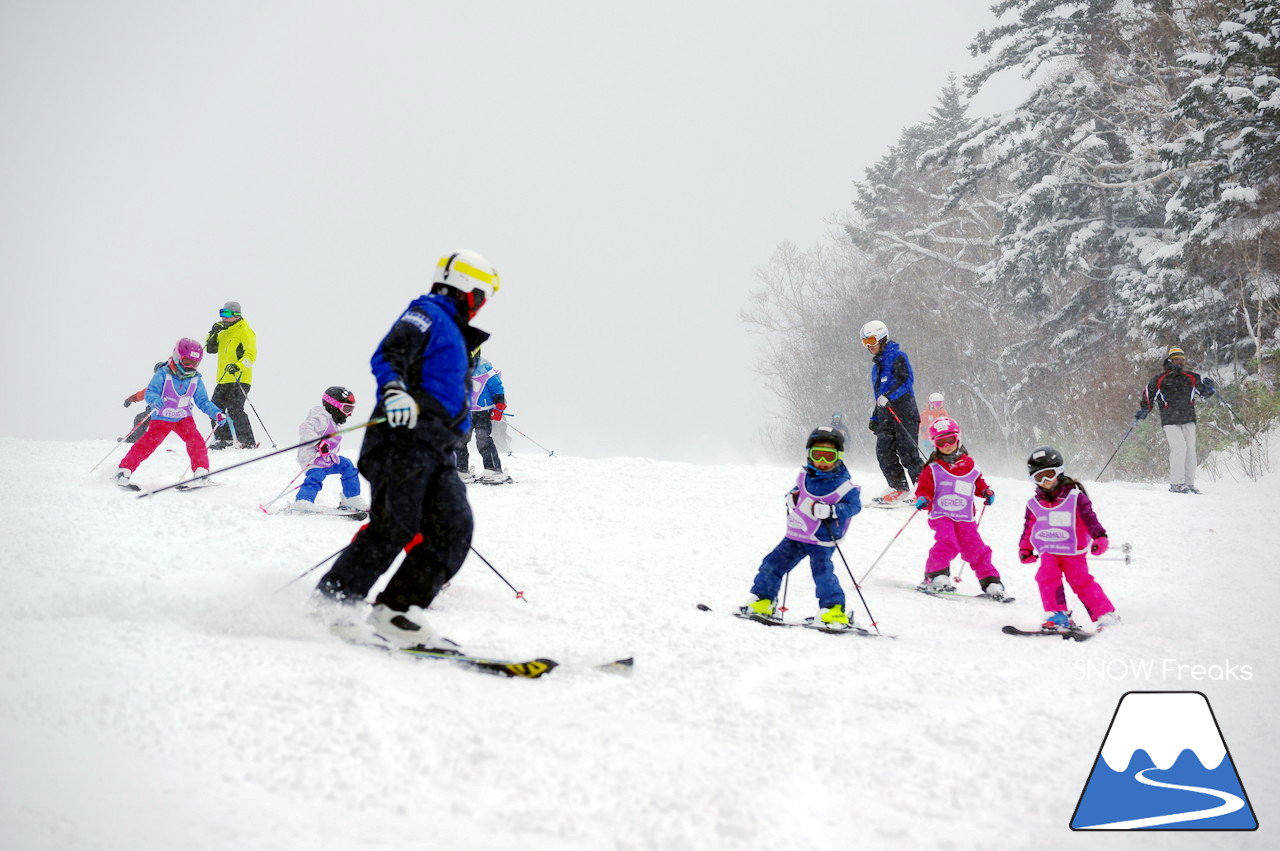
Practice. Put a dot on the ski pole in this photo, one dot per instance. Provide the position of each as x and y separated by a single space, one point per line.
856 586
786 583
1113 454
910 438
519 594
960 572
549 452
289 487
264 457
245 393
886 547
120 440
309 569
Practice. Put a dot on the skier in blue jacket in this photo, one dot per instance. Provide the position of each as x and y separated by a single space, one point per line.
488 402
819 509
895 419
422 368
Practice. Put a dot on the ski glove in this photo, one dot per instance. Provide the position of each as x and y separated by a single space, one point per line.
1026 555
1099 546
401 408
822 511
922 502
989 497
497 411
220 418
882 400
871 426
232 369
324 448
128 400
1142 413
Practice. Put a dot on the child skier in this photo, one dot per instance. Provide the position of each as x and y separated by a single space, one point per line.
950 485
1060 525
819 509
171 395
321 460
488 402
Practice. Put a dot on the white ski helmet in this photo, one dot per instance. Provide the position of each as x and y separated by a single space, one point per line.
468 273
875 330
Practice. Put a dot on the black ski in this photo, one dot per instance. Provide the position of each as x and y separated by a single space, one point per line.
530 669
1075 634
807 623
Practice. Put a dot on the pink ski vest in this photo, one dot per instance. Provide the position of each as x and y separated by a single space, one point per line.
801 524
952 494
1054 530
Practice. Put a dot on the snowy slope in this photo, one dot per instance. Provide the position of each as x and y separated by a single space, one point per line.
155 692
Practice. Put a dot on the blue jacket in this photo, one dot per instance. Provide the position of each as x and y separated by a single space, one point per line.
820 484
492 393
180 384
891 373
428 350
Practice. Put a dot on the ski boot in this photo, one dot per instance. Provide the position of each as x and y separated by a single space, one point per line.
354 503
937 582
1057 622
835 616
1104 621
761 606
992 587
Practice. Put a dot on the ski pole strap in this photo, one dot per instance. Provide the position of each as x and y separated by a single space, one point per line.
264 457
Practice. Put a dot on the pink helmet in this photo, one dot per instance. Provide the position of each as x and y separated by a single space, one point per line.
944 427
188 353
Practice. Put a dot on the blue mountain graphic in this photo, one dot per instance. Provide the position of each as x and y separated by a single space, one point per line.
1115 796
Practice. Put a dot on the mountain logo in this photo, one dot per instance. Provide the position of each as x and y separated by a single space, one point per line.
1163 765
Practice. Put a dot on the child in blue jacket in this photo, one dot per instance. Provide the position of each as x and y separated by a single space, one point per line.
819 509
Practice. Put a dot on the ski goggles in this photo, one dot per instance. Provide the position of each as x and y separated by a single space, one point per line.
946 440
1046 474
189 363
870 341
824 455
227 314
346 407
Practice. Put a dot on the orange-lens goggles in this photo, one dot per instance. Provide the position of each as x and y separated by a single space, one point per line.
949 440
870 341
823 455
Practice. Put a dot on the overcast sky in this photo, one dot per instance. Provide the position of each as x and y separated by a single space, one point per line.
626 167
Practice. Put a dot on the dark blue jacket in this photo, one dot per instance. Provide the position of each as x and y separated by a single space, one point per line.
892 376
428 350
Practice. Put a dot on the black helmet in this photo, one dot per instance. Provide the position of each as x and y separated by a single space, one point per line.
825 434
339 402
1044 458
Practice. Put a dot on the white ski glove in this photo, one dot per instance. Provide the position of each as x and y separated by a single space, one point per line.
401 409
882 401
822 511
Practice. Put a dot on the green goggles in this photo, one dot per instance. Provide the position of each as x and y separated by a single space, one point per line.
824 455
227 314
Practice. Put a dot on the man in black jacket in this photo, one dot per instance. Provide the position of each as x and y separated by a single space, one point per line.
1175 392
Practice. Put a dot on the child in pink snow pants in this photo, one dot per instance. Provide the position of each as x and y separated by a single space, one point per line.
949 487
1061 526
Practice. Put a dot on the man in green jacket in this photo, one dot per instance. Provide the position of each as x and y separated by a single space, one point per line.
236 345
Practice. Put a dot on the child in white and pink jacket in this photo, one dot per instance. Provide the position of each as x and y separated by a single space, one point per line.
321 460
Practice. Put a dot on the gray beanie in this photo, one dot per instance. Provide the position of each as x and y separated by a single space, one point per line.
233 306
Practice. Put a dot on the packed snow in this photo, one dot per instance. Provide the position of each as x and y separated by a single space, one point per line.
165 686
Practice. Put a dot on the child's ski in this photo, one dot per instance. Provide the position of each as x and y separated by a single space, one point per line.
326 511
1075 634
808 623
196 485
956 595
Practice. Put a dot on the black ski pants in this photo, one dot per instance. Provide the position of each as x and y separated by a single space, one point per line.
415 490
230 397
482 428
896 448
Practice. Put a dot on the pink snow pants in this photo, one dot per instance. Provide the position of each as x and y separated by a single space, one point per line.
1075 569
157 431
962 539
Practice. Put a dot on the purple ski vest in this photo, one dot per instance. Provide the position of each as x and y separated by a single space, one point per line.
801 524
477 387
175 405
1054 529
953 495
324 461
